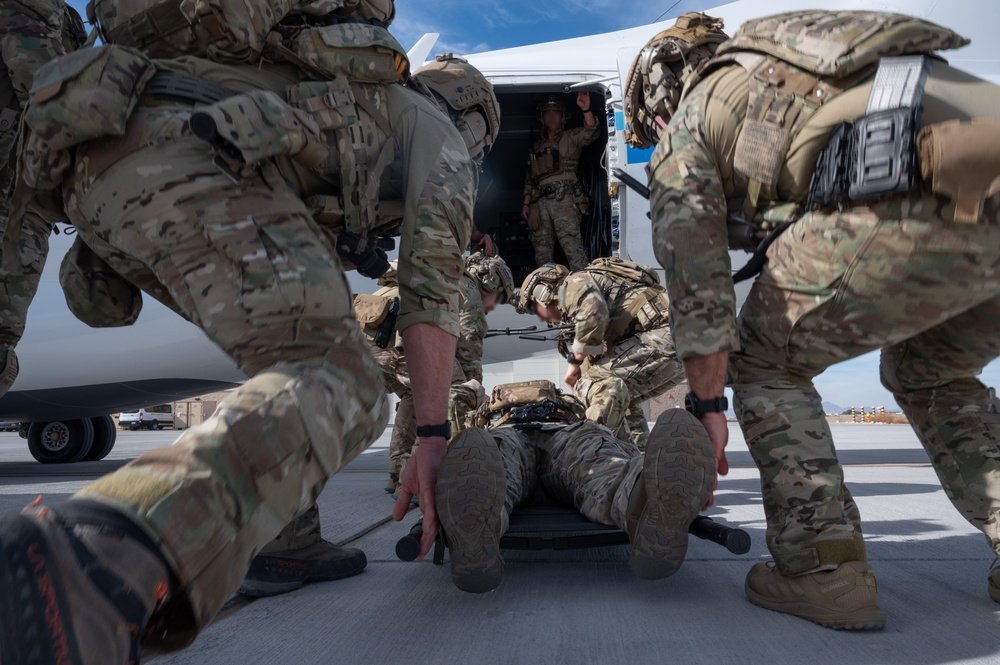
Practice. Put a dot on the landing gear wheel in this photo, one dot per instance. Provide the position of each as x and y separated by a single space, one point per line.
60 441
105 434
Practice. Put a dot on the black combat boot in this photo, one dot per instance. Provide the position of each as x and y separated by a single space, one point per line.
79 584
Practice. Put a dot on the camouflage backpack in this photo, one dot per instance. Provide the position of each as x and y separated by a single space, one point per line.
634 273
530 401
797 62
238 31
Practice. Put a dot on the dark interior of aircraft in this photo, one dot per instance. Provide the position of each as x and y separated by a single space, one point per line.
501 189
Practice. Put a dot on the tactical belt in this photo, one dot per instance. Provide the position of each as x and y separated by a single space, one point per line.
184 89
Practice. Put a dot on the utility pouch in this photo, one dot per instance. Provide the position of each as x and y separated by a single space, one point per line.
363 52
251 127
885 154
872 158
831 177
961 160
534 217
95 293
87 94
653 313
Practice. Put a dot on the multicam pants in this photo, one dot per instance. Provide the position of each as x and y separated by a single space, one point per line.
157 209
553 217
581 465
899 276
634 370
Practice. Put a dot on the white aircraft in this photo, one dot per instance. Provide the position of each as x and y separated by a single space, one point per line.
71 375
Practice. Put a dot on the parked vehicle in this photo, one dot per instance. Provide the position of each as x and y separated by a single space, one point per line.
150 417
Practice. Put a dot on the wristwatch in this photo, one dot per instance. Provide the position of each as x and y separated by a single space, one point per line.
699 407
427 431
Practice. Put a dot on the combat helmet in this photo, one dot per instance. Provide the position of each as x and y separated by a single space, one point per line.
493 275
656 78
540 286
466 96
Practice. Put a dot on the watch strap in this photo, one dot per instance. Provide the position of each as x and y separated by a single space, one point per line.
427 431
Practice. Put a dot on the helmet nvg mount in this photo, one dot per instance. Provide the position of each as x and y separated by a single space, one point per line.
492 274
656 78
541 286
466 96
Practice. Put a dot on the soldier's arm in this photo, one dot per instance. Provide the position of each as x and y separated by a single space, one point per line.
688 208
587 309
440 181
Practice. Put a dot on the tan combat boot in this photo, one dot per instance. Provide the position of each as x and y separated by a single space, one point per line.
993 581
79 584
845 598
677 477
471 489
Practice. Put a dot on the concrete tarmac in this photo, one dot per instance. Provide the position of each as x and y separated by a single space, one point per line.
584 606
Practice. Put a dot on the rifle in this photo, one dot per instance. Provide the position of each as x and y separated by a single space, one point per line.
563 337
496 332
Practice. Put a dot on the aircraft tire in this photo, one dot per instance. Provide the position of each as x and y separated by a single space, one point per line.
105 434
60 441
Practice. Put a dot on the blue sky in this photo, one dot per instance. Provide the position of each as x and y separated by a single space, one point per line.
486 25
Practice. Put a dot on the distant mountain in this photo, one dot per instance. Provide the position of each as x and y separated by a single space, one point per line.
830 408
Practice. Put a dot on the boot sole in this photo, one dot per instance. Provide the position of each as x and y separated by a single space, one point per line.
471 489
678 483
35 623
871 619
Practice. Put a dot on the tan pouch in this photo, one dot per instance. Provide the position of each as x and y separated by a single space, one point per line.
371 310
95 293
961 160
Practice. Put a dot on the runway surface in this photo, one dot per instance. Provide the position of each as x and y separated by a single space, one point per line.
584 606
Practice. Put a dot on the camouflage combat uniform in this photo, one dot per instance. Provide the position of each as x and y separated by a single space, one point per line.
465 392
631 358
31 34
552 184
243 258
899 274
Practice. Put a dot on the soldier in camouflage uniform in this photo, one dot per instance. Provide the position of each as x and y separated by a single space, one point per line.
298 554
552 195
912 273
486 283
31 34
537 439
622 353
145 557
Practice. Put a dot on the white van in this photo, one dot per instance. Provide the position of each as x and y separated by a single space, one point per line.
150 417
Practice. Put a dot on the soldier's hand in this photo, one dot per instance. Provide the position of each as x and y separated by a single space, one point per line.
572 375
718 432
419 479
583 100
483 240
